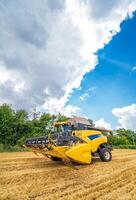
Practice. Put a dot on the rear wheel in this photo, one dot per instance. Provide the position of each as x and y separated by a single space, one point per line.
105 154
55 158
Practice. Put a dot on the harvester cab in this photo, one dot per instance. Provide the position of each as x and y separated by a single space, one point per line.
74 140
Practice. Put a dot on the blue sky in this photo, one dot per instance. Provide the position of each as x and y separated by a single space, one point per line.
113 79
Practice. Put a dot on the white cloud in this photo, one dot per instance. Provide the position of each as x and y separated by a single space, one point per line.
134 68
102 124
19 87
86 94
71 110
47 47
68 110
6 74
126 117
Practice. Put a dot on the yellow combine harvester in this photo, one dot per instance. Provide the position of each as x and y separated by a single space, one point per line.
74 140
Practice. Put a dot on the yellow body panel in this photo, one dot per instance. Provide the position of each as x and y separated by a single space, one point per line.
85 133
97 142
94 144
80 153
58 151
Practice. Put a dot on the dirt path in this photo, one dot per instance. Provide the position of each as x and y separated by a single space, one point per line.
24 176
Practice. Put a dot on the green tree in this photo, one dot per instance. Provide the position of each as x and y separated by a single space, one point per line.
130 135
61 118
6 124
20 127
118 140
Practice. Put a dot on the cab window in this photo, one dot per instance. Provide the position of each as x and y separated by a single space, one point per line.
92 137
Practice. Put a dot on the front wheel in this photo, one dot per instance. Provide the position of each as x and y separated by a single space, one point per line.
105 154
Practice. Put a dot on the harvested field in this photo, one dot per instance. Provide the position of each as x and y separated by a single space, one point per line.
25 176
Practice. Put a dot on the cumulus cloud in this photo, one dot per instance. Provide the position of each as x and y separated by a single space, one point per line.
101 123
47 46
86 94
134 68
126 116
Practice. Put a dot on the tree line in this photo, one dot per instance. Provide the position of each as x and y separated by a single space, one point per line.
16 126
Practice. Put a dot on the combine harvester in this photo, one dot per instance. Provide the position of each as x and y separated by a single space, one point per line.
73 141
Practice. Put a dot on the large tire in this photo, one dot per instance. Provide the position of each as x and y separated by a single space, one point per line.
55 158
105 154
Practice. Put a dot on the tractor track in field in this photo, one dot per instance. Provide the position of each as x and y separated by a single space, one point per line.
24 176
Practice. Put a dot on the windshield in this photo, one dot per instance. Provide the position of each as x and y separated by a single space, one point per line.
63 128
66 127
